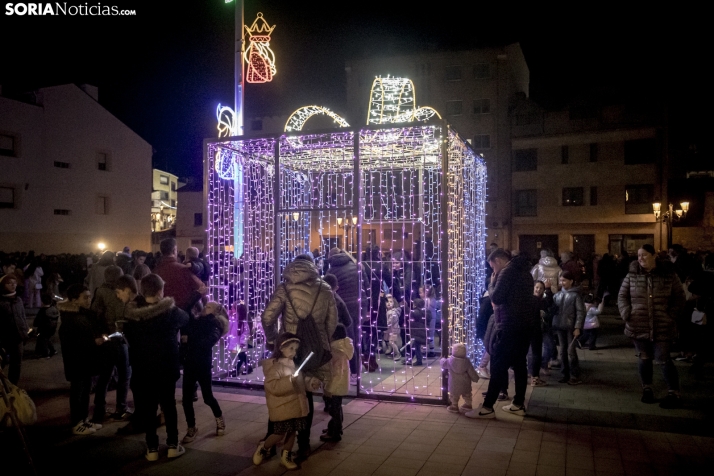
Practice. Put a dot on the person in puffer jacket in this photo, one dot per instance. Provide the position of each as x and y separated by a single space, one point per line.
339 384
461 374
650 301
547 268
568 318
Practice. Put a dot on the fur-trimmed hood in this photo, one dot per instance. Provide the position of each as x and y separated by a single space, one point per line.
141 310
220 321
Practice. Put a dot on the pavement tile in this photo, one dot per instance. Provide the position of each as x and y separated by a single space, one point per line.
521 469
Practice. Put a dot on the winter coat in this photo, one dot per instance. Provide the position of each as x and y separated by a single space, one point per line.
568 309
650 303
547 268
461 374
77 331
46 321
349 287
202 333
302 282
152 333
179 283
95 276
512 292
108 307
417 326
485 311
393 320
343 314
342 352
284 394
13 323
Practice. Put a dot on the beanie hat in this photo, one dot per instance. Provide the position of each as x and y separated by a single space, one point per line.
458 350
334 252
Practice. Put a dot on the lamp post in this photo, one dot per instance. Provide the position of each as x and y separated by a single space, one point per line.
669 216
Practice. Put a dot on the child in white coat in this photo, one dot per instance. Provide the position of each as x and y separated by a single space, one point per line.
393 312
461 374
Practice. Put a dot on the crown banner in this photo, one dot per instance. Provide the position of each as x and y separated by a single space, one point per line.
258 55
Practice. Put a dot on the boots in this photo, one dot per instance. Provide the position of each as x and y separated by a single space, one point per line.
286 459
372 364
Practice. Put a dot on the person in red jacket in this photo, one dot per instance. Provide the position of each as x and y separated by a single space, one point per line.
179 282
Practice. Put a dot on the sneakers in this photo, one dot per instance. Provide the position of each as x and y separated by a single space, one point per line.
220 426
175 451
260 454
152 454
91 424
574 381
353 380
648 396
330 437
81 428
481 413
514 409
466 407
537 382
286 459
190 435
671 401
502 396
121 416
453 408
483 373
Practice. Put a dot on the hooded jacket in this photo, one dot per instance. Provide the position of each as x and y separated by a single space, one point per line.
650 303
461 374
77 331
342 352
417 326
202 333
284 394
152 332
109 308
511 293
302 282
547 268
568 309
348 283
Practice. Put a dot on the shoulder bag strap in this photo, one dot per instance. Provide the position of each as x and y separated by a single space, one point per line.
319 288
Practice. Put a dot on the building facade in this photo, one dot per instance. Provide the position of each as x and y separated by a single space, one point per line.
190 218
73 175
164 200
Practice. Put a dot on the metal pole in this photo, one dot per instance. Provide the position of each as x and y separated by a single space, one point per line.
444 250
238 130
357 210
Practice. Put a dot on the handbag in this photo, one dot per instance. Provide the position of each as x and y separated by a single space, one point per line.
698 317
309 335
21 403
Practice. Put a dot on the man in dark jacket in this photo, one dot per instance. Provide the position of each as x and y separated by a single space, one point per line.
13 326
151 328
511 291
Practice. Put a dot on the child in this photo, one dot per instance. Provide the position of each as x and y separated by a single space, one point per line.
567 322
286 398
80 348
592 323
393 312
339 383
417 332
200 335
46 324
433 312
461 374
151 328
197 266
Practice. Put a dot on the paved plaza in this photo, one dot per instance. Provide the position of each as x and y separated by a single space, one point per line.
598 428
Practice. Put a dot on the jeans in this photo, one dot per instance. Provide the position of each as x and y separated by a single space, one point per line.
658 351
203 377
549 349
113 354
509 350
589 338
568 353
148 395
535 356
417 355
79 389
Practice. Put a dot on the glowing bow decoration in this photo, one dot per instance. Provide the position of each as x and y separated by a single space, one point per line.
393 100
259 56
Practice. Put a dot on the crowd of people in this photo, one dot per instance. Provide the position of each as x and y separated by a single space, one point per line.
140 318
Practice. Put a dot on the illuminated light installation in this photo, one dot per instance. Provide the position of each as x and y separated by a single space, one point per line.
227 123
393 100
259 56
297 119
418 195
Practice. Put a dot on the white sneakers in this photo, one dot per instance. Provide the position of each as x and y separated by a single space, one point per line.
175 451
82 428
481 413
519 410
152 454
483 372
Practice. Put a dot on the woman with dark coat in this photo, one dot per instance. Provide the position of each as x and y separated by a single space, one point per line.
650 301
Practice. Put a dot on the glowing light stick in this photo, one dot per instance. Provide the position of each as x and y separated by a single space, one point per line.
303 363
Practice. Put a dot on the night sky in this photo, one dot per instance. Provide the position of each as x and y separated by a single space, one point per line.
163 71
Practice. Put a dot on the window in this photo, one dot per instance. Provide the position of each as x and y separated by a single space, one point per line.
101 207
593 152
573 197
8 145
60 211
198 219
163 195
482 141
163 179
564 154
482 71
525 160
453 73
173 203
61 165
638 198
102 161
593 196
482 106
641 151
7 197
256 125
526 204
173 186
454 108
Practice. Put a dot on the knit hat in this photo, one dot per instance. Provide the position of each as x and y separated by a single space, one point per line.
334 252
458 350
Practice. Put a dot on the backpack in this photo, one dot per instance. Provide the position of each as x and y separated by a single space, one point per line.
309 335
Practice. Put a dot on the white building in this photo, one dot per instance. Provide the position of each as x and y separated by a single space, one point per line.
73 175
190 218
164 200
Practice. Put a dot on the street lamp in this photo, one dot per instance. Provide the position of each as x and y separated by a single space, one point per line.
668 217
